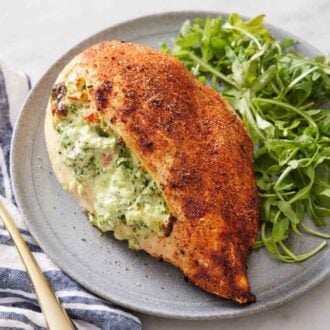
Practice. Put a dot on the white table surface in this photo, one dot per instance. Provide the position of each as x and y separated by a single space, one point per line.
34 33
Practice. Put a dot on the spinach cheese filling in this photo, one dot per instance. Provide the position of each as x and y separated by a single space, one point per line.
125 198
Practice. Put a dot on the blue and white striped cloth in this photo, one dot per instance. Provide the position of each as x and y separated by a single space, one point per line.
19 307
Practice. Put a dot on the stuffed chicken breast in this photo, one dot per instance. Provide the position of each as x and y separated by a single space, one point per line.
159 159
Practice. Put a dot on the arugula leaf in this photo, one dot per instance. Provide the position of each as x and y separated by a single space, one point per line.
282 98
280 230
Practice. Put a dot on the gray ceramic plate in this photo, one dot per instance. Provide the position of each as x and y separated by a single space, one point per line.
102 264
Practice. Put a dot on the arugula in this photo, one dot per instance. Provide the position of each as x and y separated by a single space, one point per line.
281 97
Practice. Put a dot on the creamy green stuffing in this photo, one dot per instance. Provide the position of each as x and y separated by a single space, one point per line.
123 193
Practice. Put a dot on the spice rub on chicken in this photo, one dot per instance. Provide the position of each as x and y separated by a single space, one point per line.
159 159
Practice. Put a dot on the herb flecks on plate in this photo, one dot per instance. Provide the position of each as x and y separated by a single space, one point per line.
282 98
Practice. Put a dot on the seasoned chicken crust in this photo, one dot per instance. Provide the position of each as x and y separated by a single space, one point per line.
195 148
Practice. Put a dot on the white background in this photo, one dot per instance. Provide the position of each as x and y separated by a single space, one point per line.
34 33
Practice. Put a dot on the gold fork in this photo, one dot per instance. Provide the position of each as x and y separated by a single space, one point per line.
55 315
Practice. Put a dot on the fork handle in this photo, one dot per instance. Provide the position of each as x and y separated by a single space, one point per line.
55 315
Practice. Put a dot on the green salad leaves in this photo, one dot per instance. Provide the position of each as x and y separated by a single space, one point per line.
282 98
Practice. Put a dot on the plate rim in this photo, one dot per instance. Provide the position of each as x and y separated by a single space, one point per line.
313 281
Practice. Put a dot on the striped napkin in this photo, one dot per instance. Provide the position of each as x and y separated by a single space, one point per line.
19 307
